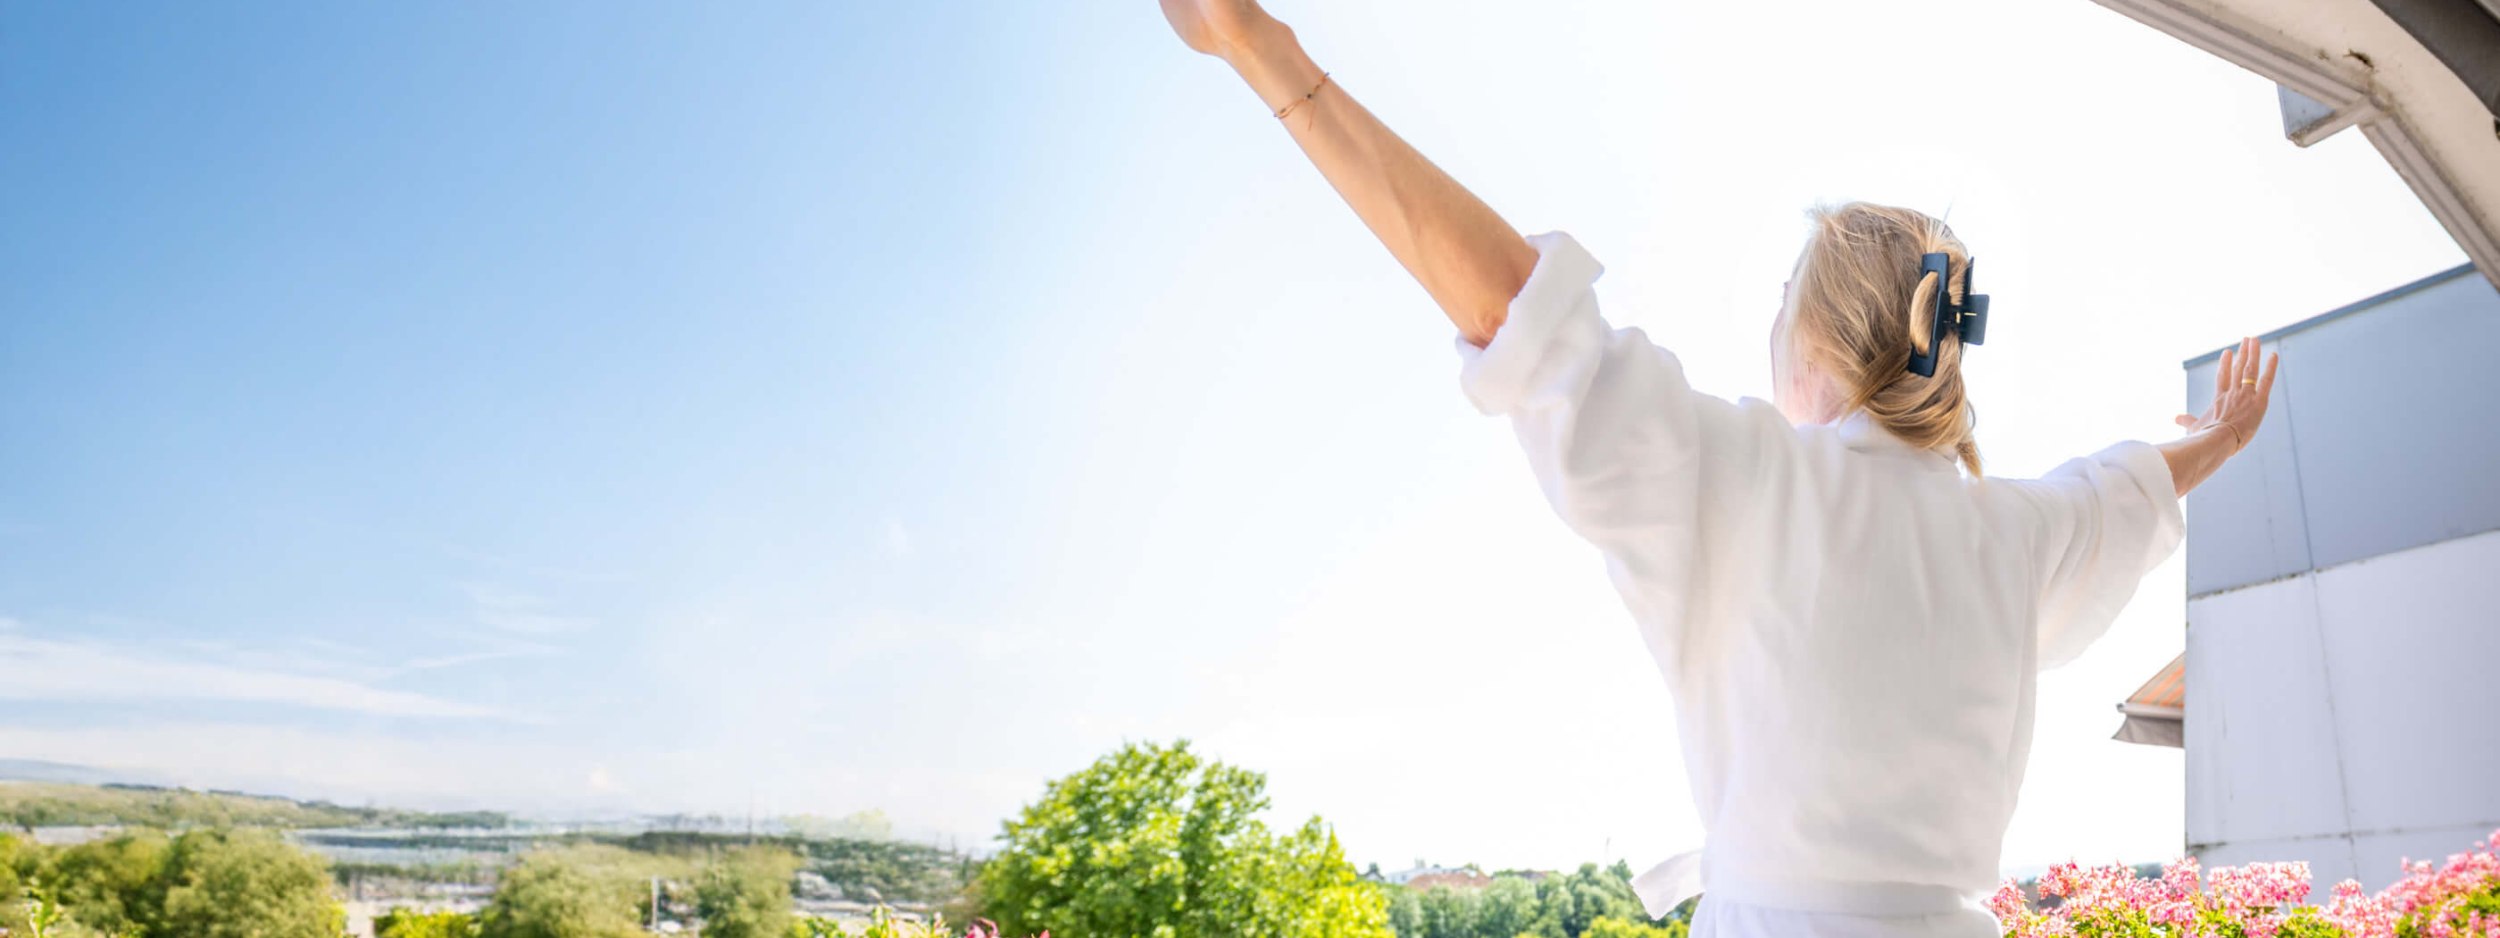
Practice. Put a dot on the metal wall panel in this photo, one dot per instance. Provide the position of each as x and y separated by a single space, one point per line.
2384 435
2397 422
2261 753
2378 857
2344 576
2246 524
2411 639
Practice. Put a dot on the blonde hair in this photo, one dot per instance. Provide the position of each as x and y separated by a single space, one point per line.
1863 306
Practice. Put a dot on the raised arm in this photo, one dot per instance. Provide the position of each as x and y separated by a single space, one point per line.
2240 392
1466 257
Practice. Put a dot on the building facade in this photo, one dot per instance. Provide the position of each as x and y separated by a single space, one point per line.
2341 694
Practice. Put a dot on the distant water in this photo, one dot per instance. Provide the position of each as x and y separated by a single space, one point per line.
421 849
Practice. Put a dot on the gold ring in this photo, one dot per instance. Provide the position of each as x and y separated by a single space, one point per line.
2251 382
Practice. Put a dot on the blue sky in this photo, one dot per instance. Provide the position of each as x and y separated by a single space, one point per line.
823 407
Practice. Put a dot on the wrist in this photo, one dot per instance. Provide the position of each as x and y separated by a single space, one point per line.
2231 434
1270 58
1261 38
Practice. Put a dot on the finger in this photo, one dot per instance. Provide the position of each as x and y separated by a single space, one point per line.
2184 420
2265 385
2222 373
2248 359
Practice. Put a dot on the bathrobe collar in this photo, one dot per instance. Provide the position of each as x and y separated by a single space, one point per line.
1859 432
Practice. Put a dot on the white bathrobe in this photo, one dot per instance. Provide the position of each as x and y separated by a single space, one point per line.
1850 627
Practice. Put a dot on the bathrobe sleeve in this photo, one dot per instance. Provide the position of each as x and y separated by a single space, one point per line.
1664 480
2106 520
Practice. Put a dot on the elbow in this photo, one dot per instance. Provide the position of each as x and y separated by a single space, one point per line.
1484 305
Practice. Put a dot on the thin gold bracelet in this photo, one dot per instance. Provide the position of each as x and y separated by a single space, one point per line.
1290 105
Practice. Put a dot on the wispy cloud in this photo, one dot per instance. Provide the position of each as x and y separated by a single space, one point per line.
521 613
517 650
527 569
33 668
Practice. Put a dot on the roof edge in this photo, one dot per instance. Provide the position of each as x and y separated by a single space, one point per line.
2340 312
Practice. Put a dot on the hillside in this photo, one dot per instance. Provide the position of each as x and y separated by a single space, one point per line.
25 804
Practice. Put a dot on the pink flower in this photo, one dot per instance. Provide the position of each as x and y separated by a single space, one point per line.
2183 876
2257 900
2008 901
2261 885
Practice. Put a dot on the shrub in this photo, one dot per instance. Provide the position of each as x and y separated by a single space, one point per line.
115 885
570 892
1562 905
246 884
1628 928
882 925
746 894
410 923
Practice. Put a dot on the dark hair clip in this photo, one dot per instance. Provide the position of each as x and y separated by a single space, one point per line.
1968 317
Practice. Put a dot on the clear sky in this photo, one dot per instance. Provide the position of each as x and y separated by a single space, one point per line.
816 407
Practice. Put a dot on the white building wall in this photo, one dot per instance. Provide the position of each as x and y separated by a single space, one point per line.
2261 756
2349 717
2343 665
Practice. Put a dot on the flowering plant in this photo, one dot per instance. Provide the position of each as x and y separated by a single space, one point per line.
882 924
2460 899
984 928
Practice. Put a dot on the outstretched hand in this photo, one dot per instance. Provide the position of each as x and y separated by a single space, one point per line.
1213 26
2240 393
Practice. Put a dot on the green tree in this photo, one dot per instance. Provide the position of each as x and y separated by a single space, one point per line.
1449 913
246 884
1303 881
21 861
115 885
410 923
1153 841
1507 908
1571 903
567 892
746 894
1406 911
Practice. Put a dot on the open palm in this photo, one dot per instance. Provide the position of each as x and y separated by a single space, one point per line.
2241 389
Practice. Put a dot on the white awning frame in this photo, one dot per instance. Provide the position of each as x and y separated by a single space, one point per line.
2344 94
